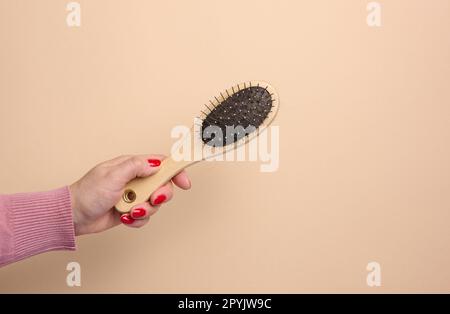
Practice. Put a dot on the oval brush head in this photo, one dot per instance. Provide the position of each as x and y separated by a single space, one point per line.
234 117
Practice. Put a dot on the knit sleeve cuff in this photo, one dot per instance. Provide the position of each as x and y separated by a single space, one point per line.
41 222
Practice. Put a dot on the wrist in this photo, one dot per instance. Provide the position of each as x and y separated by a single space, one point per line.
77 221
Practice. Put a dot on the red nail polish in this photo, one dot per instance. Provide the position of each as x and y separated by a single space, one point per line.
154 162
138 213
126 219
159 199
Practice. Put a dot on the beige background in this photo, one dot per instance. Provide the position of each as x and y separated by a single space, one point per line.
365 128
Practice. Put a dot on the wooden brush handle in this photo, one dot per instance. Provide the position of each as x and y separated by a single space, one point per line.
139 190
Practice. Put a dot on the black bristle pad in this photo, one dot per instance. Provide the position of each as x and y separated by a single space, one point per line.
246 109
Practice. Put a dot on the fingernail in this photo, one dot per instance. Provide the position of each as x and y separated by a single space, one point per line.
126 219
159 199
154 162
138 213
188 181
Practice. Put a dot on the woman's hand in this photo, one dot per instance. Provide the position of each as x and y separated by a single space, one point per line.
95 194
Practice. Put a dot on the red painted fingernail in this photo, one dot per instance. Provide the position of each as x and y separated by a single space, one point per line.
126 219
158 200
138 213
154 162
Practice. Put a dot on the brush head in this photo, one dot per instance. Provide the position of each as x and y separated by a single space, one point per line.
240 113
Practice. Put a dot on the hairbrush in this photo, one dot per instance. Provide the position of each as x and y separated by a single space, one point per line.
231 119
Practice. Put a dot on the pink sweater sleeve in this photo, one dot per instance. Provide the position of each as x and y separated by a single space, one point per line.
32 223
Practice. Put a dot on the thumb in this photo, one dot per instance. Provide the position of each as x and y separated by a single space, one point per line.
136 166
